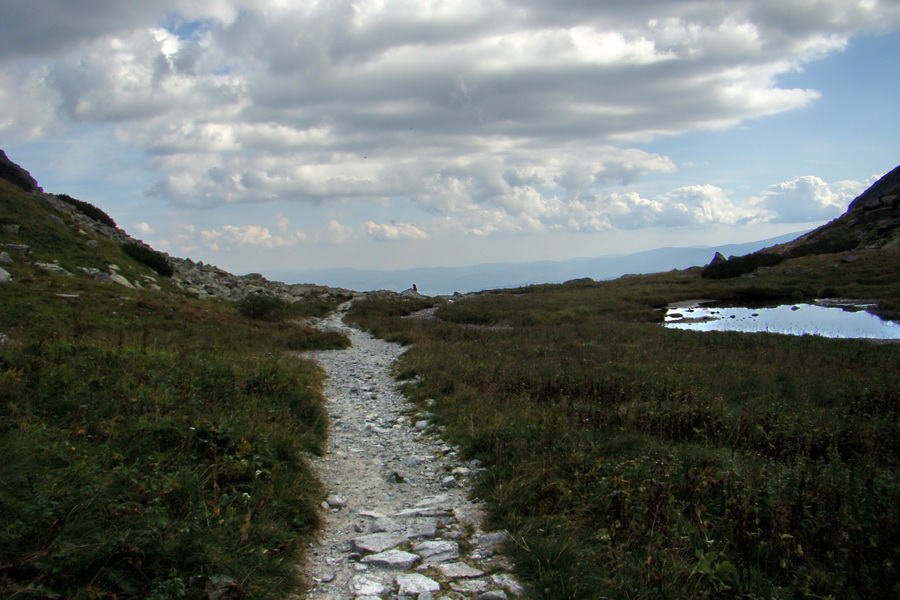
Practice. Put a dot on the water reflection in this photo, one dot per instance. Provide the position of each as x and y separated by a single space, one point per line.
825 318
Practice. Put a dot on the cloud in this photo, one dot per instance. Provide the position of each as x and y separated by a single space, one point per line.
144 229
389 232
251 236
809 198
505 115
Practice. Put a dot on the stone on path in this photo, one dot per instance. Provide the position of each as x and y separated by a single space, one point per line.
363 586
414 583
392 559
376 542
459 570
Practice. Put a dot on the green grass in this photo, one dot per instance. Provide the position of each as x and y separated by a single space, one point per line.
154 445
633 461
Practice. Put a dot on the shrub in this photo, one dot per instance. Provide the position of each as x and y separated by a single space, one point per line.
739 265
88 209
263 307
149 257
825 246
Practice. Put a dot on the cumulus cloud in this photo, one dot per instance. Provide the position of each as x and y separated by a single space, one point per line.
253 236
144 229
389 232
809 198
508 115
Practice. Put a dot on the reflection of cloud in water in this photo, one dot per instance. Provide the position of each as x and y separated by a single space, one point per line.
845 321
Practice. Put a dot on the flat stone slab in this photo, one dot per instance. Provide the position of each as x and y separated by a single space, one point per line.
437 551
470 586
459 570
376 542
363 586
392 559
422 528
414 583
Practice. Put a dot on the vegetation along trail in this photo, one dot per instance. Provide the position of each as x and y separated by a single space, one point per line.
399 520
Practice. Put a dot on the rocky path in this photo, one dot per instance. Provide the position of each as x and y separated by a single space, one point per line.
399 523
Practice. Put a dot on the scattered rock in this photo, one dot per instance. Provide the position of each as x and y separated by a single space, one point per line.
376 542
4 275
392 559
53 268
459 570
414 583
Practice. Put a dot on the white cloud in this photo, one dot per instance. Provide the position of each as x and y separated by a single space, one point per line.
809 198
389 232
494 116
254 236
144 229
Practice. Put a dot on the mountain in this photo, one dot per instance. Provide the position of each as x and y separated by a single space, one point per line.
447 280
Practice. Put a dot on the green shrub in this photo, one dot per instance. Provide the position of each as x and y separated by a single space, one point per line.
263 307
149 257
740 265
88 209
826 246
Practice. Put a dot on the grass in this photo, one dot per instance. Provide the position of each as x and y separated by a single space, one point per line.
634 461
154 445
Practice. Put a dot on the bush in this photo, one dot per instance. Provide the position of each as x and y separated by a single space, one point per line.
739 265
88 209
825 246
263 307
149 257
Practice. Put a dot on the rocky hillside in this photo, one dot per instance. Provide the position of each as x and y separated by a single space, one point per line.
872 221
71 238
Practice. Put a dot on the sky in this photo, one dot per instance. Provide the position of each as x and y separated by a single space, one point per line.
263 135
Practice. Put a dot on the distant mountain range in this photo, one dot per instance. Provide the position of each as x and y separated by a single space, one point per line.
437 281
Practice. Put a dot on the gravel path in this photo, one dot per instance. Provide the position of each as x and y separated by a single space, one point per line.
399 523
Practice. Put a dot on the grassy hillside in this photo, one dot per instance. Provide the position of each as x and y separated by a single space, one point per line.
634 461
154 445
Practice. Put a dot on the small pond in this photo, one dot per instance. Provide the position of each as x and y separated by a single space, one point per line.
828 318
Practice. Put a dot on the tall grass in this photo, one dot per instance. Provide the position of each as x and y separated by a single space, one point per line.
128 473
633 461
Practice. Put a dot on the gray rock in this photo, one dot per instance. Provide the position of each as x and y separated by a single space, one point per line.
56 221
5 259
10 229
448 482
4 275
414 583
382 524
422 528
459 570
52 268
20 249
120 280
492 540
392 559
437 551
376 542
336 501
508 583
364 586
493 595
471 586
